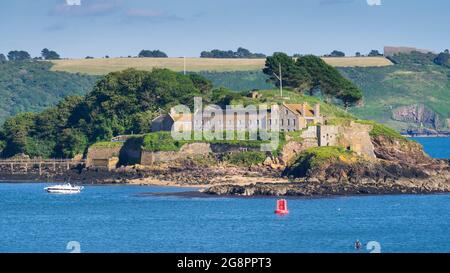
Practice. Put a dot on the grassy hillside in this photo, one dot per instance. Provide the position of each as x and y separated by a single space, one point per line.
386 89
32 87
238 80
104 66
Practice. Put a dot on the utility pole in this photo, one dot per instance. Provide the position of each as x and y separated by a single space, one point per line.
280 78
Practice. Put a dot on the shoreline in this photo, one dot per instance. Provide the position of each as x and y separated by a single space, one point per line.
191 193
428 136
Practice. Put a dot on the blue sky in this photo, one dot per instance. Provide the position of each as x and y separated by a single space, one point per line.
185 28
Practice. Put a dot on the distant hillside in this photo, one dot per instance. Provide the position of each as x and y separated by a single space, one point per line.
392 50
414 92
30 86
105 66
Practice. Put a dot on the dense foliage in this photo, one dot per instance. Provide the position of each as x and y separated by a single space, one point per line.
152 54
30 86
120 103
311 74
18 55
49 54
443 59
336 53
241 53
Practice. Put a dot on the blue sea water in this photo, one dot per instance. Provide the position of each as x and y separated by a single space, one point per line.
119 219
437 147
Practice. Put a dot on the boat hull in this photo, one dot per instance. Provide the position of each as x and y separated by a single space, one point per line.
56 191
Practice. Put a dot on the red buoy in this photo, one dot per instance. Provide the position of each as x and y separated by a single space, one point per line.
282 207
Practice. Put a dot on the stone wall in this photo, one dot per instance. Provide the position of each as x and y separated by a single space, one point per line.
328 135
188 150
101 154
355 137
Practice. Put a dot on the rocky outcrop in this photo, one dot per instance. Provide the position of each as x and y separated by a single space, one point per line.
439 184
401 167
418 114
399 150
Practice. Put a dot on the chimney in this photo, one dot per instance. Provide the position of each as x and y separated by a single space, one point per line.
304 109
317 110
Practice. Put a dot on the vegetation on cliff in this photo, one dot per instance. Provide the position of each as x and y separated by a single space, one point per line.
30 86
120 103
311 74
316 157
414 79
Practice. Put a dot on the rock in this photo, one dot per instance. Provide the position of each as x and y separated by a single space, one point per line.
418 114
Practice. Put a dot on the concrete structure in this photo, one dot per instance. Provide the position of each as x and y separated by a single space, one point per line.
103 158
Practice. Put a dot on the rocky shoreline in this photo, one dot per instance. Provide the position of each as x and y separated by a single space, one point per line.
400 167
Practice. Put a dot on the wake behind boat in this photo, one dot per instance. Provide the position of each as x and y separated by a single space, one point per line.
64 189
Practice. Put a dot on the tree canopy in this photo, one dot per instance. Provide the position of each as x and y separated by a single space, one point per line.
443 59
336 53
2 58
18 55
120 103
310 74
49 54
374 53
152 54
241 53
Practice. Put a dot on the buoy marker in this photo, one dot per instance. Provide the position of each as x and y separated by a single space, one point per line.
282 208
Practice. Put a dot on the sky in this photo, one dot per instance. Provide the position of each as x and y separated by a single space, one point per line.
80 28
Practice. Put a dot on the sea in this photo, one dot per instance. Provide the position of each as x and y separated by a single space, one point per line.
137 219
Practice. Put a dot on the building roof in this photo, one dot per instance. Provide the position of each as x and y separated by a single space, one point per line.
298 109
181 117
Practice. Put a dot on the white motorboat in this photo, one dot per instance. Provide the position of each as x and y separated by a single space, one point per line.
64 189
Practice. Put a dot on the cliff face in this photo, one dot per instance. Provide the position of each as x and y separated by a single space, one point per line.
395 150
418 114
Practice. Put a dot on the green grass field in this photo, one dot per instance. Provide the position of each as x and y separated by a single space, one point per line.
104 66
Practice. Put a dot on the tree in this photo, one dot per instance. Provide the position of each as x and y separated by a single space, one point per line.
443 59
310 73
152 54
230 54
374 53
16 132
358 54
203 84
18 55
71 142
349 94
337 53
447 51
49 54
3 58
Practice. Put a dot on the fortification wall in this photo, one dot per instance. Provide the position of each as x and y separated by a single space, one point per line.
101 154
188 150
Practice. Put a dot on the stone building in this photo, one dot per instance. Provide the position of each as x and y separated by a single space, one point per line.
291 117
